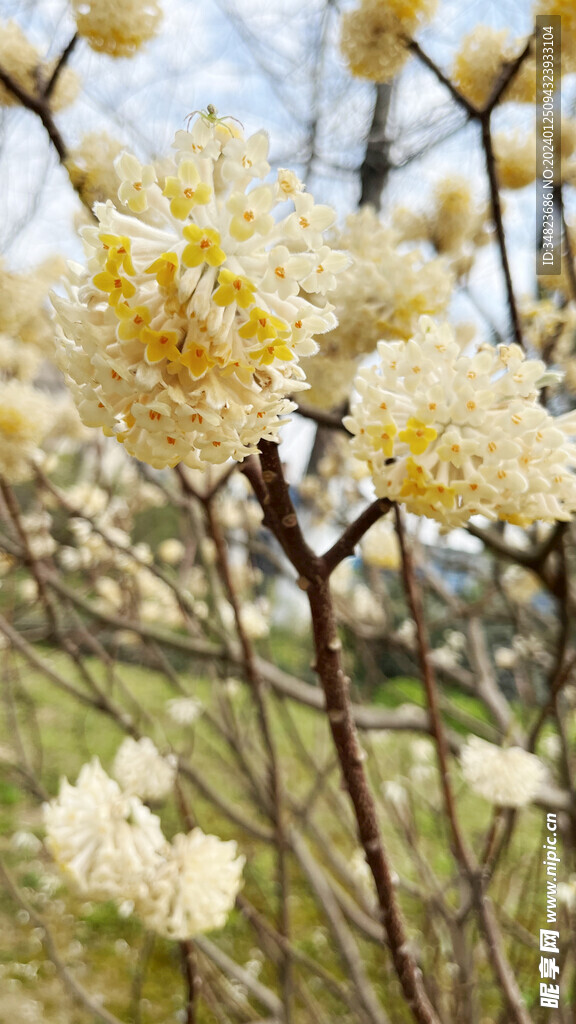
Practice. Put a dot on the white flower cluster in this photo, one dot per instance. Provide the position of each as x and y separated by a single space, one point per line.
385 290
183 334
452 435
142 771
184 710
112 847
380 546
508 777
194 888
107 841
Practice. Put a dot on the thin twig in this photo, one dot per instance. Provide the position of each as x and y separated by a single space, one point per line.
499 226
192 978
353 534
59 67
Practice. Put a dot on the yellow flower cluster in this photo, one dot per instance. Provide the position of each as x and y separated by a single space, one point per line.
91 167
480 60
455 224
117 27
384 291
515 159
374 36
452 435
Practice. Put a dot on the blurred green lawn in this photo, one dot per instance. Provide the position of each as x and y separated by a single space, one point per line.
109 953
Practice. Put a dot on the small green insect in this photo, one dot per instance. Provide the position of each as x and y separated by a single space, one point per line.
210 115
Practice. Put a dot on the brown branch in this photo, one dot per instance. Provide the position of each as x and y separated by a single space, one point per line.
508 73
275 789
59 67
483 117
571 269
191 977
471 110
535 560
280 516
279 513
376 164
410 719
332 420
39 106
459 846
499 225
353 534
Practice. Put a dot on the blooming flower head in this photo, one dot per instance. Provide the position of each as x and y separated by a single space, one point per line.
508 777
380 546
549 327
374 35
515 159
329 376
23 315
383 292
452 435
26 417
171 550
106 841
183 333
142 771
482 55
194 889
90 166
184 710
117 27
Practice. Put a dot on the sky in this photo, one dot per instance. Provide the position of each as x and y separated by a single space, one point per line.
273 66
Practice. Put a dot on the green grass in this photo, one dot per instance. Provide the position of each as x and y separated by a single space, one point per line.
58 735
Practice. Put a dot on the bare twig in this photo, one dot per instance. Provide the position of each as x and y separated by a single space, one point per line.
192 978
59 67
353 534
